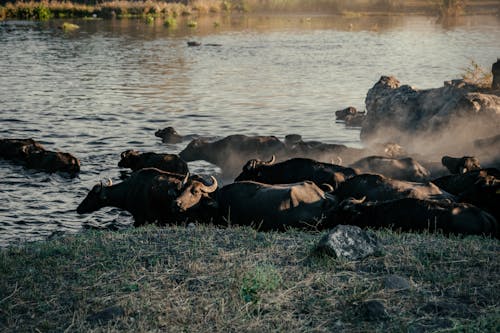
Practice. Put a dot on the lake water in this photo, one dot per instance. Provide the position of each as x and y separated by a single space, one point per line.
110 85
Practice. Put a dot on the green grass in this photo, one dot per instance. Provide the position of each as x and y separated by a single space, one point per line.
208 279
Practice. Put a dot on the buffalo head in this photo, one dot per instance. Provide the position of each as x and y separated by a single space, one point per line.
252 168
191 192
95 199
195 150
460 165
128 158
169 135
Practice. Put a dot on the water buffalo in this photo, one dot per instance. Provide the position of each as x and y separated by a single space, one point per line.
33 155
379 188
169 135
320 151
410 214
460 164
231 152
274 207
403 168
342 114
478 187
167 162
151 196
295 170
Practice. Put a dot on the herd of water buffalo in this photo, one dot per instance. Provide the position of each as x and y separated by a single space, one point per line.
291 184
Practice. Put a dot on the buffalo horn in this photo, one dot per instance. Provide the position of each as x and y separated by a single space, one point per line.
271 161
109 182
185 180
210 188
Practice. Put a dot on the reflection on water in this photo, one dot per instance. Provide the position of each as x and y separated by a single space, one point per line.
110 85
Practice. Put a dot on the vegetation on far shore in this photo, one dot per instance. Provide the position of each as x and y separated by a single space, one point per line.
150 9
205 279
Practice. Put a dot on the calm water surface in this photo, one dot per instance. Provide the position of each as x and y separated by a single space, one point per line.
109 85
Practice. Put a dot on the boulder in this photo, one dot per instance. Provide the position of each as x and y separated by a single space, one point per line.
349 242
457 112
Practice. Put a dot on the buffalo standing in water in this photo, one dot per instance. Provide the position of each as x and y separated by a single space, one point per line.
151 196
167 162
33 155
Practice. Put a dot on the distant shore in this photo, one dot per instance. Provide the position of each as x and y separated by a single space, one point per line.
168 11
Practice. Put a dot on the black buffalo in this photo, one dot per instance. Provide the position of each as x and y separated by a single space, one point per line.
478 187
410 214
295 170
231 152
167 162
33 155
379 188
399 168
460 164
274 207
151 196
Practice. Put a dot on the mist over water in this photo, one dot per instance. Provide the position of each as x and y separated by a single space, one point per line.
110 85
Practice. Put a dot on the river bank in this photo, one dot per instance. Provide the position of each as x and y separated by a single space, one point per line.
208 279
168 11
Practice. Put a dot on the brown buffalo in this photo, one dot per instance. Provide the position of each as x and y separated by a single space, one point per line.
274 207
151 196
399 168
460 164
167 162
411 214
295 170
379 188
33 155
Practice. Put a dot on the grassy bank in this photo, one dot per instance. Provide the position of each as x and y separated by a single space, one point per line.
207 279
44 10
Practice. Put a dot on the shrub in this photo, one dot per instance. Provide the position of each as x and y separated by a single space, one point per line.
475 74
170 22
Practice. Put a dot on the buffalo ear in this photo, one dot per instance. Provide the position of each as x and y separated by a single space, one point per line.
97 188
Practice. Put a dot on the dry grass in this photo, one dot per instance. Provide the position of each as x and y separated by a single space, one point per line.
208 279
477 75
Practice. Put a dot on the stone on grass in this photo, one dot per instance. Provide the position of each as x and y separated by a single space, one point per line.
349 242
373 310
395 282
106 315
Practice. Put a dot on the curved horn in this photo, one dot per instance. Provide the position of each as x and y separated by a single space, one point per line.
185 180
124 154
327 187
340 160
210 188
271 161
109 182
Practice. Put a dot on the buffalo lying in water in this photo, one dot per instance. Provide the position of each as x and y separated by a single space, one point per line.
399 168
410 214
151 196
33 155
273 207
167 162
295 170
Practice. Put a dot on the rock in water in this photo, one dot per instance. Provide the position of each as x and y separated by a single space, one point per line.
456 113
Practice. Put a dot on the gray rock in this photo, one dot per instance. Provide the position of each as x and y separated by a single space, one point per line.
373 310
404 114
395 282
106 315
349 242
